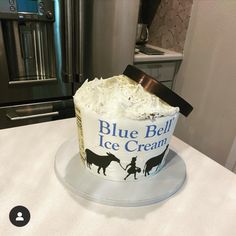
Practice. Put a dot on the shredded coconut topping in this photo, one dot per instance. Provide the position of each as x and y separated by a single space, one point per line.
119 96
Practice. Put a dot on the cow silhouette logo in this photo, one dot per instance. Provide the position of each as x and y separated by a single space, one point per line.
154 162
133 169
100 161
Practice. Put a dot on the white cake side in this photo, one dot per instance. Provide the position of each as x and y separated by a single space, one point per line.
124 131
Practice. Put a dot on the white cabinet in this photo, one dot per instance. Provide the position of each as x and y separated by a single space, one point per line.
163 71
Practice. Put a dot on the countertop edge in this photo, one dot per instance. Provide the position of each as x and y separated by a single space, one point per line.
168 56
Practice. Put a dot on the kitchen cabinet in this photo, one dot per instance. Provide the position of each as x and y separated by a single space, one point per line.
162 67
163 71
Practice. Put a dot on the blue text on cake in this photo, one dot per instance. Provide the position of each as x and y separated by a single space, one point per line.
132 144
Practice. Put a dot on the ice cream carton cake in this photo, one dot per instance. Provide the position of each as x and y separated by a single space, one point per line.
124 130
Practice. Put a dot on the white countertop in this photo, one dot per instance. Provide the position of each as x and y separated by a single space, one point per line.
206 204
168 56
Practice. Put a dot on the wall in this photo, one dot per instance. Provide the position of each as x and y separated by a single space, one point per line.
207 78
170 24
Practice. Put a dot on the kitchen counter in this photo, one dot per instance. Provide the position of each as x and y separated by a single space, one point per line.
205 205
168 56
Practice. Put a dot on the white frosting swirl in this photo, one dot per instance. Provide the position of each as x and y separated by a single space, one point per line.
119 96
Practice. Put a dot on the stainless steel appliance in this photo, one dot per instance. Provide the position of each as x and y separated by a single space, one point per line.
142 34
147 13
48 48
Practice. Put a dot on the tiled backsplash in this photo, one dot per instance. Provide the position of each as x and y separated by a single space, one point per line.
170 24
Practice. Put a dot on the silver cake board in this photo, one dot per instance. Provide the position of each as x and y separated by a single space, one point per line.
71 172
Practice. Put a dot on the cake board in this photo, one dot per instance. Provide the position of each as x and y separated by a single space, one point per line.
71 172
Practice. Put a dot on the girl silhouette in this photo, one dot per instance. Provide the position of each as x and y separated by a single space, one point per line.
133 169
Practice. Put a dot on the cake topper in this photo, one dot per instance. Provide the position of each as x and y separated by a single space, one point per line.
151 85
